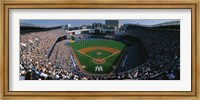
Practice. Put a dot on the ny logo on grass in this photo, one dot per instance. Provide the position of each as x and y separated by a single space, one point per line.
98 68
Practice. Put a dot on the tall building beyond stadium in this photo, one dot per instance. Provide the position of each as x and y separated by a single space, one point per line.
114 24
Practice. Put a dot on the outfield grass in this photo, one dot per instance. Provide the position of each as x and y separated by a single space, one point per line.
88 62
100 42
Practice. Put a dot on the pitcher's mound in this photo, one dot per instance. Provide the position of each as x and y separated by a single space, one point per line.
98 53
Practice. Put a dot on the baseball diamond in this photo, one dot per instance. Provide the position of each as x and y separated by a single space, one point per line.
91 54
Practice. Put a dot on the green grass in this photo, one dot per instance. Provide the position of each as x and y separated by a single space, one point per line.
95 54
92 43
88 62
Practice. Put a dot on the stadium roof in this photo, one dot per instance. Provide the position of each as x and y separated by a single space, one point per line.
169 23
30 25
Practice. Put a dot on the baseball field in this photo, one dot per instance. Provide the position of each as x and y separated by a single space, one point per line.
98 56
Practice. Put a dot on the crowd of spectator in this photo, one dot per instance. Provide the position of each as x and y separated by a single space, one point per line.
163 62
163 49
34 48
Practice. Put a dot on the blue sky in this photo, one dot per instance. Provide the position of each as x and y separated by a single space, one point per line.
50 23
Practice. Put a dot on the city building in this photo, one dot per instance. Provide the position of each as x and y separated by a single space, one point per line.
112 24
66 27
97 25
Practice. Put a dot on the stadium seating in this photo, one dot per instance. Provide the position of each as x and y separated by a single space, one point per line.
158 56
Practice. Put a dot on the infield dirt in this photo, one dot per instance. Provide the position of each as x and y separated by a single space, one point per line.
108 49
